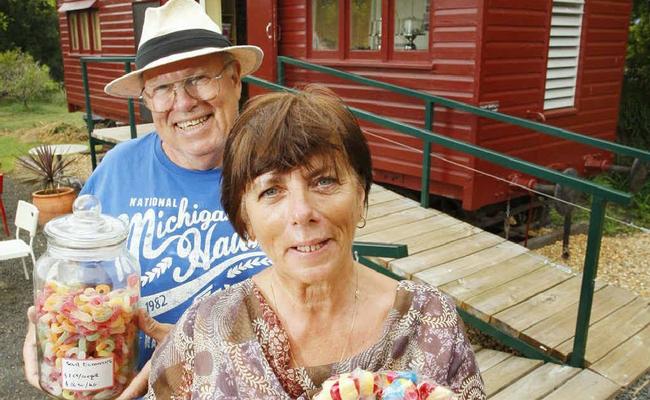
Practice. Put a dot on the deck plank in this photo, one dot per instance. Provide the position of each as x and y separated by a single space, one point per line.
409 266
628 361
492 276
382 196
611 331
402 231
497 299
488 358
561 326
390 207
433 239
538 383
507 372
540 307
398 218
459 268
586 385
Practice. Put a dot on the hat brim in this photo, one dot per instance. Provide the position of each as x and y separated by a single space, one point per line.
131 84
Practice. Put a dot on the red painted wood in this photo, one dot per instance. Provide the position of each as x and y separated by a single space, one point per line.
263 31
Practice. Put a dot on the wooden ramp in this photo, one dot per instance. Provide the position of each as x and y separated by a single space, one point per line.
514 289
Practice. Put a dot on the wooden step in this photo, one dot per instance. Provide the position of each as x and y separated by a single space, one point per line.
628 361
538 383
586 385
506 373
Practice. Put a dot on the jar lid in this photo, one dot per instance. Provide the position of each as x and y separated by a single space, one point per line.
86 227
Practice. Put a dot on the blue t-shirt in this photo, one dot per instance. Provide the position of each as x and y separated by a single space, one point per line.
178 231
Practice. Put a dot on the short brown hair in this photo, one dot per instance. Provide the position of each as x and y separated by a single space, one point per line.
282 131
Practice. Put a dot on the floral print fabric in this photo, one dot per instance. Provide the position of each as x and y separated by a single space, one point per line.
231 345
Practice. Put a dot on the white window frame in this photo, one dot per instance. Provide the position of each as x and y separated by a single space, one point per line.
563 54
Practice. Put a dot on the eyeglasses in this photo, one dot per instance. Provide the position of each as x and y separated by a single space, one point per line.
201 87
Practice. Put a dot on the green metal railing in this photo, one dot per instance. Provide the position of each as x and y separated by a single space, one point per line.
90 123
600 195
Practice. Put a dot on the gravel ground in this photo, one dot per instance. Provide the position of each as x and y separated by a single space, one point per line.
16 295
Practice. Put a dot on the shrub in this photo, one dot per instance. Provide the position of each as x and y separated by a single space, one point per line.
23 79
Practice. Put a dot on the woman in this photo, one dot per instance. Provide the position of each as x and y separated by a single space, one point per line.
296 177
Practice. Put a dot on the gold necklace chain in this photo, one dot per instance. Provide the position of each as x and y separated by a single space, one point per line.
352 324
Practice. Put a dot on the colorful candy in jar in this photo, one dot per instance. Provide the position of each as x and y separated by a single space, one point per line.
87 339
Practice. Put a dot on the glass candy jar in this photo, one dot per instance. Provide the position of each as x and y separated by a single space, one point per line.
86 290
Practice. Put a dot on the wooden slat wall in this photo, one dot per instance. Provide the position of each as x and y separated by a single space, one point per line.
116 22
450 72
513 72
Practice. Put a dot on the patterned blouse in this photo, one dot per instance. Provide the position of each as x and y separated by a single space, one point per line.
231 345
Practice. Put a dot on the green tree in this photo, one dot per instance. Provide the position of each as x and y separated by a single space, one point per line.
638 54
24 79
634 115
32 26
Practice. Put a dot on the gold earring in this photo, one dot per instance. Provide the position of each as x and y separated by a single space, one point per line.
363 223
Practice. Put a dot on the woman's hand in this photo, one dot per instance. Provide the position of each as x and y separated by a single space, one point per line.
30 357
158 332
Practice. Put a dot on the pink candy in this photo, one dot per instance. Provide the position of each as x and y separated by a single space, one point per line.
87 337
383 385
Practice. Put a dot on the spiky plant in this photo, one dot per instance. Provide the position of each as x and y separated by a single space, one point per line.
43 168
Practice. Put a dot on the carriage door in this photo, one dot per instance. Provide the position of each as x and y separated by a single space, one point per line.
263 31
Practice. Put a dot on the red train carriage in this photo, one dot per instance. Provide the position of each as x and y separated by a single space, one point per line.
558 61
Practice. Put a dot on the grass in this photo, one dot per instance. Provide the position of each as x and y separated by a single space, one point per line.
44 122
14 116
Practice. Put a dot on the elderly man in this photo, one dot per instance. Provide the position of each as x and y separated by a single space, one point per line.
166 184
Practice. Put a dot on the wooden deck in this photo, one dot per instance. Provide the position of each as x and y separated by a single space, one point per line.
522 294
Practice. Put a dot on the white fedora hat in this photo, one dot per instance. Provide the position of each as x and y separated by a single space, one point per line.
177 31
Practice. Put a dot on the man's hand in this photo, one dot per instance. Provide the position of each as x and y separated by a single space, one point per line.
30 356
138 385
158 332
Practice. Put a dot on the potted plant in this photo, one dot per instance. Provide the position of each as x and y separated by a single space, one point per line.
46 170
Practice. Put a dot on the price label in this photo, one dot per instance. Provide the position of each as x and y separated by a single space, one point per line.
93 374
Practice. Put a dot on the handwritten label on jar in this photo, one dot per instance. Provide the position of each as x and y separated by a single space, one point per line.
87 374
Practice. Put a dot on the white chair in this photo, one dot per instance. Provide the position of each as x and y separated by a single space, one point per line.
27 219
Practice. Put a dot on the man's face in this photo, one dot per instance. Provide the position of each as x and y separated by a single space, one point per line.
193 131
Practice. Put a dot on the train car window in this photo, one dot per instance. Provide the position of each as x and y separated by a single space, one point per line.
325 25
97 33
411 18
85 31
365 25
73 31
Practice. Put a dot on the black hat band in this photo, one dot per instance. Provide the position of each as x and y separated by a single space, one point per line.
178 42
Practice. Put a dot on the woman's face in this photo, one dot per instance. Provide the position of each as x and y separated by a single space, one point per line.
305 219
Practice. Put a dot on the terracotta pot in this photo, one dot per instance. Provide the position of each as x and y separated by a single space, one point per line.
52 203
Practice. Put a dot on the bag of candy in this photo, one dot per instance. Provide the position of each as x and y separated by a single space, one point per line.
383 385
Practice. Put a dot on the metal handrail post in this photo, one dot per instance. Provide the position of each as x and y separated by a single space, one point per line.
280 71
134 131
589 273
90 124
426 155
